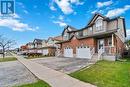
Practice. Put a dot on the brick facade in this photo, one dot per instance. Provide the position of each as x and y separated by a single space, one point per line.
90 42
119 45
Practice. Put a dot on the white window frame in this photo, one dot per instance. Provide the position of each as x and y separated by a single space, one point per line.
99 24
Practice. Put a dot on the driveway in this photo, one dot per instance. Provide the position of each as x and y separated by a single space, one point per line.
66 65
14 73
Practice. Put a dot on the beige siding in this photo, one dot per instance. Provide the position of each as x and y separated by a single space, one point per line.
112 25
105 25
121 33
85 32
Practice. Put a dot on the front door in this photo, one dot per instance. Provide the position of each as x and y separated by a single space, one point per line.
101 44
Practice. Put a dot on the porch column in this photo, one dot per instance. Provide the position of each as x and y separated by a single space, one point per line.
112 40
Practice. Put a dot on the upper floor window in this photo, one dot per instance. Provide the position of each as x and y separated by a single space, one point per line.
85 32
90 30
99 24
80 33
66 36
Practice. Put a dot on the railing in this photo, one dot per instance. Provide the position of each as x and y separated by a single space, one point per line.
92 51
58 53
109 49
100 52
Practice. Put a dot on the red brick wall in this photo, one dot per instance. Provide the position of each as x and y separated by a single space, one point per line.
91 42
75 43
119 45
51 51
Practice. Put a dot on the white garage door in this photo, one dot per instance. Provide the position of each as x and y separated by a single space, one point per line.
39 51
68 52
83 52
45 52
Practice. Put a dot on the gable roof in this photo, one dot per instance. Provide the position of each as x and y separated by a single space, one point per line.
37 40
94 18
58 38
66 28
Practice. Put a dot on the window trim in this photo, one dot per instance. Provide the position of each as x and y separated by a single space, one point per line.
99 24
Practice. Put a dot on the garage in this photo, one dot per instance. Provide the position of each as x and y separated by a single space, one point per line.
39 51
45 52
83 52
68 52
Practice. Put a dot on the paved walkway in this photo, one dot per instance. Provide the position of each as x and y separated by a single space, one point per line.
52 77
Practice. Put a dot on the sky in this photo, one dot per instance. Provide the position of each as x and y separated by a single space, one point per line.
47 18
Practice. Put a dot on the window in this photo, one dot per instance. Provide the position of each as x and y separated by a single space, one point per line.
109 42
85 32
90 30
80 33
99 24
65 36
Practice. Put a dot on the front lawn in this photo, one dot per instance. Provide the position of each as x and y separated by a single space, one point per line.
106 74
36 84
7 59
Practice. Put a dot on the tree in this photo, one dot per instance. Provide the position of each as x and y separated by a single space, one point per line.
127 42
5 44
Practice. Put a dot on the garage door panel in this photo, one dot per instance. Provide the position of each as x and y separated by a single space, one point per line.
68 52
45 52
83 52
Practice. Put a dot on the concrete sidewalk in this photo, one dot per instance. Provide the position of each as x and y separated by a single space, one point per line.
52 77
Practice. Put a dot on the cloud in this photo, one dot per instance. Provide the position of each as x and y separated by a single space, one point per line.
60 23
37 27
102 4
53 8
61 18
66 5
16 16
52 17
15 24
77 2
128 32
93 12
117 11
51 5
99 11
20 4
25 11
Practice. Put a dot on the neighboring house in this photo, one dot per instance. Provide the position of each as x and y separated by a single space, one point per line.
44 47
37 43
24 49
30 47
51 45
101 38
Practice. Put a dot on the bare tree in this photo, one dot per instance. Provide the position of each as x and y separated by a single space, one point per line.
5 44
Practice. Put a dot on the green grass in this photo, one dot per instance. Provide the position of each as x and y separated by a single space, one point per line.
106 74
36 84
7 59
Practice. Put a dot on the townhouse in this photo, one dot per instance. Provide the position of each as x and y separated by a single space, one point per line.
101 38
41 46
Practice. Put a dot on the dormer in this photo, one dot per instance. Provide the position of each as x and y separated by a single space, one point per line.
98 23
66 34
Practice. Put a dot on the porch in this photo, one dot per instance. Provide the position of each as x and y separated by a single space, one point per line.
105 47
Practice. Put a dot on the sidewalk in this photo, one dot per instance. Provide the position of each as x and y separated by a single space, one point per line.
52 77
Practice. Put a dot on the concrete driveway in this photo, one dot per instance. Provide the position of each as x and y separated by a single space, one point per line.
14 73
66 65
